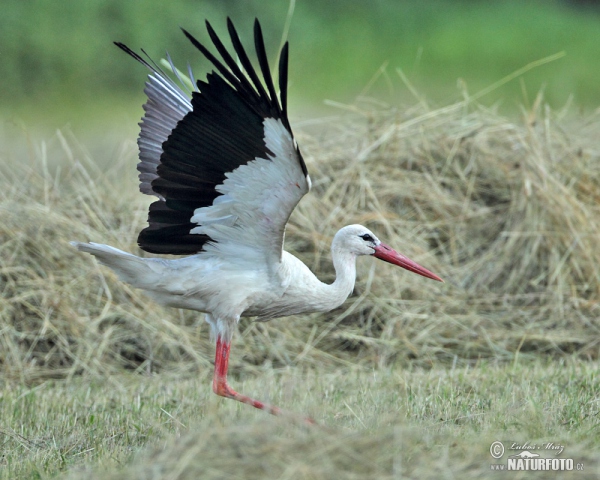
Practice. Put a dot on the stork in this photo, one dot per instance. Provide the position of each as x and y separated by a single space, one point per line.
228 173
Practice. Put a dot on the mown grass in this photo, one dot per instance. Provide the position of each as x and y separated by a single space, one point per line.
408 377
386 423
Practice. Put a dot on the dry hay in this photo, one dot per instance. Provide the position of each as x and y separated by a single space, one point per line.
505 211
266 450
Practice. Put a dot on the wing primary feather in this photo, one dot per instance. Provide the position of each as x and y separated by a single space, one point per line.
264 63
231 63
243 56
212 59
283 80
176 73
191 75
154 66
131 53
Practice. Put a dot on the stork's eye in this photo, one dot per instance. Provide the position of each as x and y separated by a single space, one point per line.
367 238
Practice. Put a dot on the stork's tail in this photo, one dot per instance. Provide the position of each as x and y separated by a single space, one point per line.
134 270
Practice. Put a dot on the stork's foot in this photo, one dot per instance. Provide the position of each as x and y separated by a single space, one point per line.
224 390
221 388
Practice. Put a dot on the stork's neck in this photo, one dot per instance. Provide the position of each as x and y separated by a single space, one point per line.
344 263
306 293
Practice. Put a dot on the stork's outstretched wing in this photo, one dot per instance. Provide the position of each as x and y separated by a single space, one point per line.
226 168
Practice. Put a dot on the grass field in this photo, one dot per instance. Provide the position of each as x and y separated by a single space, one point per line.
408 379
383 423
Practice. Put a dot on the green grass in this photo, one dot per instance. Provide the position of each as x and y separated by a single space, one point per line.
372 424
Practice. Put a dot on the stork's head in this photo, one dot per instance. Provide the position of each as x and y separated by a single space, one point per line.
359 240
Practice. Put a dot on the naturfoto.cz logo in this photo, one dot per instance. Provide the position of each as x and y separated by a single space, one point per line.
525 457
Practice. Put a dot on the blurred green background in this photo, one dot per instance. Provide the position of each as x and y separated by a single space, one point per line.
59 66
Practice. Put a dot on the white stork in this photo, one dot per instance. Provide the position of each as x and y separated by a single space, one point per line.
228 173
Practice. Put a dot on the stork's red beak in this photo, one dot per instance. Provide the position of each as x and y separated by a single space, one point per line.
388 254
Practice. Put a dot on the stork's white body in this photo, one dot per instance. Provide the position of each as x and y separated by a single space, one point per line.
228 289
228 173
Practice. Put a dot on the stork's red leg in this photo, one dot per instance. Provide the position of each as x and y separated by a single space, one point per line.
220 386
